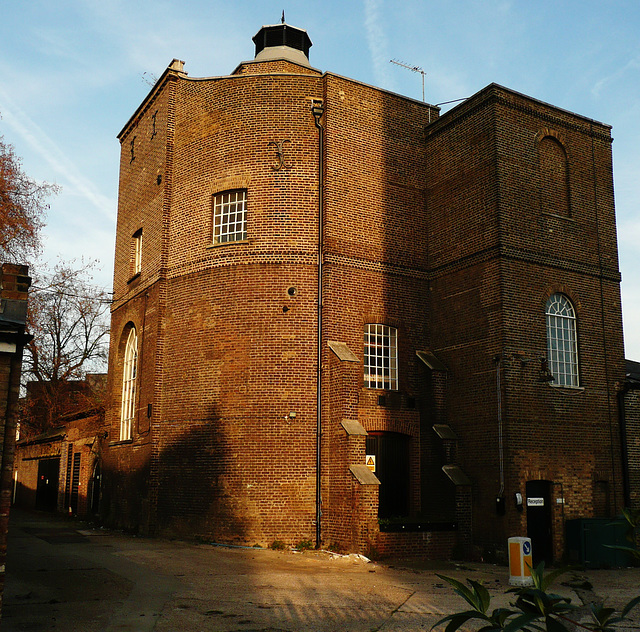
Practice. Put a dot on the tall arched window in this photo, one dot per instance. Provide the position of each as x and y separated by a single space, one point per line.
129 374
562 341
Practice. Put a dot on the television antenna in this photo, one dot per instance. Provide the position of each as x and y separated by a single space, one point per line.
412 69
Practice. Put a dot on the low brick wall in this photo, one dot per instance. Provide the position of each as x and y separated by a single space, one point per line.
433 545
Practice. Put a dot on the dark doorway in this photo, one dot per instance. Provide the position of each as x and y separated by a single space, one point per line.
539 518
47 488
391 452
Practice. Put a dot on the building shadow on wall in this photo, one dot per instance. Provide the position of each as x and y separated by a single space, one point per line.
191 489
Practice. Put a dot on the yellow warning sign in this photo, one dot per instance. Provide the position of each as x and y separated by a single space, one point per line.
370 460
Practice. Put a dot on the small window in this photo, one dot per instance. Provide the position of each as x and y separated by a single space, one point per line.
136 252
380 357
562 342
129 375
230 216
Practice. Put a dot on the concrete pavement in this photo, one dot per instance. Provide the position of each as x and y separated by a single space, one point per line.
64 575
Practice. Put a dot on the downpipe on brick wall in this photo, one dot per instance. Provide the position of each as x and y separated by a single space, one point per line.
317 110
604 328
500 497
624 445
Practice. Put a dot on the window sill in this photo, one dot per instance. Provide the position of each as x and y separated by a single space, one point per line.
564 387
568 218
115 444
134 277
228 243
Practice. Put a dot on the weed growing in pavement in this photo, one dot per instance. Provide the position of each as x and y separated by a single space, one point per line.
278 545
304 545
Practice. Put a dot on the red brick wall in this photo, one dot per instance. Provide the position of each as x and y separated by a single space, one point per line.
497 257
219 323
632 415
14 284
273 66
430 226
84 437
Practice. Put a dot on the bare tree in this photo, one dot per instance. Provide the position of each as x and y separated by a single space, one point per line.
68 318
22 209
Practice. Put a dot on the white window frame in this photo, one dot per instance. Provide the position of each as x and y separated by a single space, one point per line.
230 216
562 341
129 378
380 357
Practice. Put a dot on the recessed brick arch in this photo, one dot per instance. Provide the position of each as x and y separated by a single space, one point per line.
553 164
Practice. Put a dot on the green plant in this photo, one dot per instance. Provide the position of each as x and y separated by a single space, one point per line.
304 545
535 608
278 545
632 520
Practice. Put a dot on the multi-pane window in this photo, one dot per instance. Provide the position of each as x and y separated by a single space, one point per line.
562 343
136 252
230 216
129 375
380 357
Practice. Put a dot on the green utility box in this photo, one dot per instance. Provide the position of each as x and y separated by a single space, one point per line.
589 540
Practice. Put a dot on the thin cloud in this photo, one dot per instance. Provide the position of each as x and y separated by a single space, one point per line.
55 157
632 64
377 41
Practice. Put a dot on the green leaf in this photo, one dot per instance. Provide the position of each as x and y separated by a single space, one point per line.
520 622
553 625
622 547
482 595
500 615
630 606
601 614
537 575
549 578
456 620
459 588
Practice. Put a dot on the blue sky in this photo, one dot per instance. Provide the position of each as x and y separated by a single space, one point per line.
73 72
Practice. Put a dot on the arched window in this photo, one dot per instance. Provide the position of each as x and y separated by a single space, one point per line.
129 374
562 342
381 357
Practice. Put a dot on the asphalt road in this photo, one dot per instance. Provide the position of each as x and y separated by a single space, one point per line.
65 575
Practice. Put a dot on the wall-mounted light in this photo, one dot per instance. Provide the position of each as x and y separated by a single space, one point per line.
317 110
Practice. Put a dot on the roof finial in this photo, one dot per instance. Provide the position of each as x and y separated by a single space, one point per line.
283 16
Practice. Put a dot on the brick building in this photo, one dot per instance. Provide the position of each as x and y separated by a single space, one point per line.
14 285
629 411
314 276
59 470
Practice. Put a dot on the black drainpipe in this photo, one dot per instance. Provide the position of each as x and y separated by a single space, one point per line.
317 110
624 446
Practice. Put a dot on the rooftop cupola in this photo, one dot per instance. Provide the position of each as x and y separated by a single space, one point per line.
282 41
